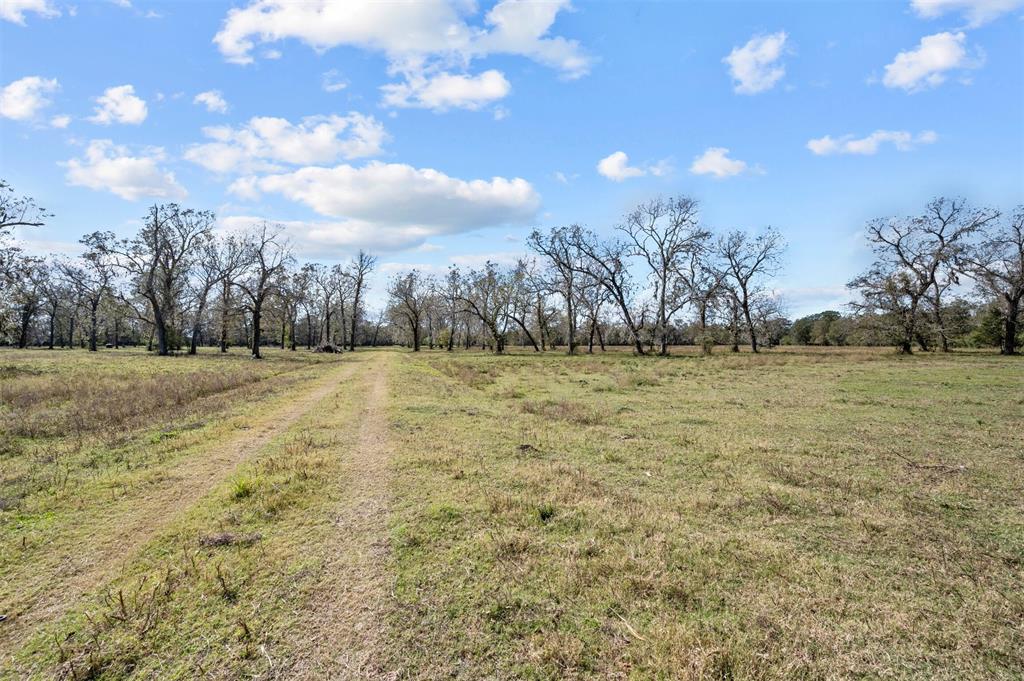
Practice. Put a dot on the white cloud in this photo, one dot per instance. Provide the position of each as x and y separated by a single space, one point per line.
715 161
61 121
331 83
754 67
392 206
14 10
422 41
926 65
616 167
112 168
23 98
264 142
976 12
867 146
403 30
443 91
119 105
213 100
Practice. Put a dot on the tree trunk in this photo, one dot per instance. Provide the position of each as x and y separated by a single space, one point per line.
416 336
257 312
92 326
1009 345
355 320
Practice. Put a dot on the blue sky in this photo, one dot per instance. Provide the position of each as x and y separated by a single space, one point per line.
444 131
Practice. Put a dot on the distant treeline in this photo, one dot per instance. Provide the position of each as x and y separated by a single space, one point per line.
949 277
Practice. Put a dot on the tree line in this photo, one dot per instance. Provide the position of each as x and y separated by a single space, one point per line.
176 284
949 276
663 278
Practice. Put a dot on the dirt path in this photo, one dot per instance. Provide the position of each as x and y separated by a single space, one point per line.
342 634
83 567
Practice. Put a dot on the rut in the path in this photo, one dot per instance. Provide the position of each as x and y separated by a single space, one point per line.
342 634
83 567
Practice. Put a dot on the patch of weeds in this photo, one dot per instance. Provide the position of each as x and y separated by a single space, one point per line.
243 488
545 512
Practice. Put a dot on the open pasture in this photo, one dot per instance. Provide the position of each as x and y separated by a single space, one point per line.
799 513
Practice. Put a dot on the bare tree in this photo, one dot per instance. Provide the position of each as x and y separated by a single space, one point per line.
997 266
409 293
662 233
564 271
605 262
218 259
488 295
362 265
702 285
158 260
15 211
913 264
946 224
91 279
748 262
267 255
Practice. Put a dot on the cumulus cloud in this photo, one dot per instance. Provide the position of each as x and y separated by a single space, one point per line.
14 10
404 30
119 105
443 91
213 100
61 121
616 167
265 142
715 161
388 206
422 42
927 65
755 67
109 167
976 12
23 98
868 146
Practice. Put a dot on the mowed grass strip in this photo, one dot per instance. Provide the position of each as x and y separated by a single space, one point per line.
217 593
789 515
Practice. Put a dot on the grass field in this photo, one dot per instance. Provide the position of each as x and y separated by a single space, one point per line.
798 514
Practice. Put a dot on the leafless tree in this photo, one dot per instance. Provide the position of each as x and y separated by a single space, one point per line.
747 262
563 273
91 279
702 285
997 266
267 255
362 265
605 262
409 293
488 295
158 260
15 211
219 260
914 260
946 225
662 233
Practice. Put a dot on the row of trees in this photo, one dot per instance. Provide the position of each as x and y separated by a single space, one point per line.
660 262
664 278
176 283
950 274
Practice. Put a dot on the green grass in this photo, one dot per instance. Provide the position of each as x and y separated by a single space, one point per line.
798 514
795 515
